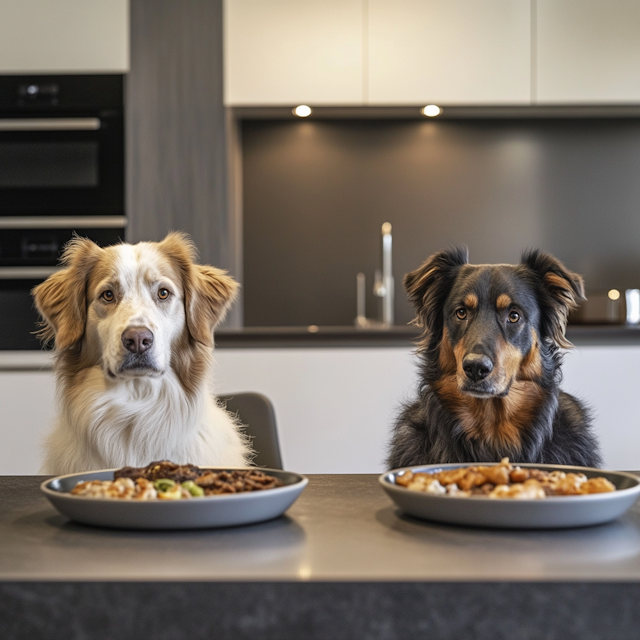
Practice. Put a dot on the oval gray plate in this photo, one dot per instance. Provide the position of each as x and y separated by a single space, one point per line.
549 513
225 510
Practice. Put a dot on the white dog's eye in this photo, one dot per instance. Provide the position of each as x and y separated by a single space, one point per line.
108 296
163 294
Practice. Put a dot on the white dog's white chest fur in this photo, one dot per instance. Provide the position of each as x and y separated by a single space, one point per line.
133 328
135 422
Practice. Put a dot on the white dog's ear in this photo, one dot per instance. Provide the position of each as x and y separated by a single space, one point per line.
61 299
208 292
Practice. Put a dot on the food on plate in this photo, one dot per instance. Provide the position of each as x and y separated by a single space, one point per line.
123 488
503 481
170 481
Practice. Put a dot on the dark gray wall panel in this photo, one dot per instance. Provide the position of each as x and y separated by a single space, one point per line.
316 193
177 178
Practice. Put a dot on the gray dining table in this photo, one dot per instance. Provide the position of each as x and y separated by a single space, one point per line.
343 562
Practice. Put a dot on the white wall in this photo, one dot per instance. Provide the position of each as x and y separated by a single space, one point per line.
335 407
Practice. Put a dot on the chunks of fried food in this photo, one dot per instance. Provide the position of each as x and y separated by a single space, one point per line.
123 488
597 485
527 490
425 482
503 480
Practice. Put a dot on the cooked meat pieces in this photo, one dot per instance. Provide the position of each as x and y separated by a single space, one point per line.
213 482
160 470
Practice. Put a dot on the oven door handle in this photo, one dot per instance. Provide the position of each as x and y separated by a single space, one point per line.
49 124
27 273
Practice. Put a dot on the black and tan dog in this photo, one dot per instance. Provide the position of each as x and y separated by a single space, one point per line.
490 368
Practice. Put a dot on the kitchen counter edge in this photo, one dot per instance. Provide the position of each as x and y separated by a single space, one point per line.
334 337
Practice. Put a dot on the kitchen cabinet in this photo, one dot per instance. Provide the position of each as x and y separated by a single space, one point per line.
588 51
449 52
26 412
65 36
383 52
335 406
293 51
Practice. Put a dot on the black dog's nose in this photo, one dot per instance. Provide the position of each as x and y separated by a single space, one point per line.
137 339
477 366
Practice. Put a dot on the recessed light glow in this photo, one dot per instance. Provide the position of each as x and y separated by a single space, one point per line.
614 294
431 110
302 111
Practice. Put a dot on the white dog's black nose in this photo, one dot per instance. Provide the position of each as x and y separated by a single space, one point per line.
477 366
137 339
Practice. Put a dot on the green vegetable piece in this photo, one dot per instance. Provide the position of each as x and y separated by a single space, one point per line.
164 484
193 489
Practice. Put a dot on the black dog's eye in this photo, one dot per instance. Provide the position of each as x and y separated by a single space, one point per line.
108 296
461 314
514 316
163 294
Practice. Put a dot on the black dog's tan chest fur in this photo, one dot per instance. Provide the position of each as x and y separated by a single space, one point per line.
490 365
501 421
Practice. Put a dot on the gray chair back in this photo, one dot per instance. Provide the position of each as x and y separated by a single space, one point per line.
258 418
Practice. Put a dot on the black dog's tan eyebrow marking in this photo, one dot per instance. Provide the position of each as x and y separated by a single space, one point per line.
471 301
503 301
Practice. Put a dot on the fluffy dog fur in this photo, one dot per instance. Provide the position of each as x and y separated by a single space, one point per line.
490 365
133 330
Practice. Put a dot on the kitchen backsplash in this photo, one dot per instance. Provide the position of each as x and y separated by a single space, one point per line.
317 192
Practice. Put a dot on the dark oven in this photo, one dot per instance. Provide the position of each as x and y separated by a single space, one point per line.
61 172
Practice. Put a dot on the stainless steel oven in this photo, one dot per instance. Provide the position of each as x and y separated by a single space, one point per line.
61 145
28 255
61 172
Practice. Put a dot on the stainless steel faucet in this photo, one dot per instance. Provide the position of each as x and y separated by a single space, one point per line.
382 288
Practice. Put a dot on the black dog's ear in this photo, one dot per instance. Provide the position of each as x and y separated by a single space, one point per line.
428 286
560 292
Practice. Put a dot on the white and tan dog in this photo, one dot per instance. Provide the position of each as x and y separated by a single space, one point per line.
133 329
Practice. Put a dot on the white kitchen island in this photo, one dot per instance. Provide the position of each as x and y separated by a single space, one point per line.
334 405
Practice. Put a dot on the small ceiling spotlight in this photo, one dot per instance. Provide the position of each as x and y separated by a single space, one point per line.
431 110
302 111
614 294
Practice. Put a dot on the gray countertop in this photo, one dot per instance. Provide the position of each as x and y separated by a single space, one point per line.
396 336
341 528
333 337
342 563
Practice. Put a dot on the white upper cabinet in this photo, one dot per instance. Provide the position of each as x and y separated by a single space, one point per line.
449 52
293 51
64 36
588 51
